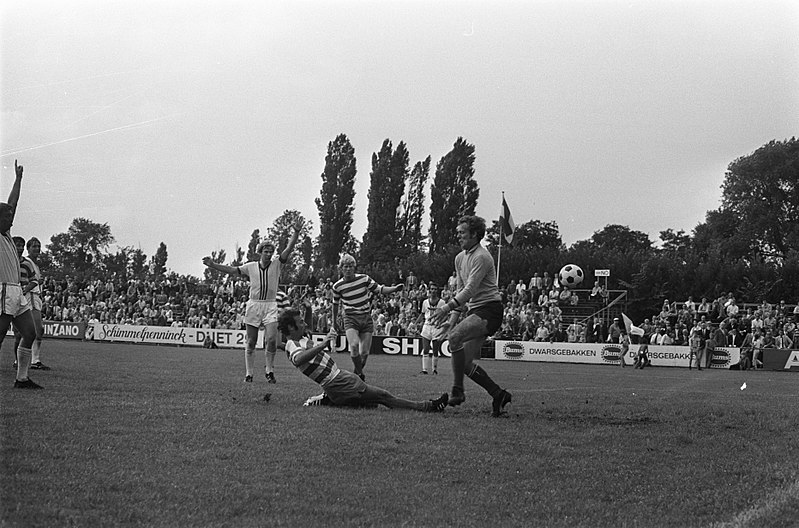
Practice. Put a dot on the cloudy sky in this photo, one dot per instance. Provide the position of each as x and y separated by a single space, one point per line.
194 123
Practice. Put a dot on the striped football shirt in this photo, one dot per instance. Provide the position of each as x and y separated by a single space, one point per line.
355 294
263 281
321 368
283 300
26 272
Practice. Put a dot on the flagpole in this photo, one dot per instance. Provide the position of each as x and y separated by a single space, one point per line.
501 236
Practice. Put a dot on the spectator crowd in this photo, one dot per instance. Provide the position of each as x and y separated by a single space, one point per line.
534 310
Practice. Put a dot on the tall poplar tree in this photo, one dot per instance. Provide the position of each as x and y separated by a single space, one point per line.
158 261
410 223
387 185
454 193
335 199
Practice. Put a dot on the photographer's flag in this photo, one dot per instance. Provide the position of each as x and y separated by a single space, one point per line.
630 327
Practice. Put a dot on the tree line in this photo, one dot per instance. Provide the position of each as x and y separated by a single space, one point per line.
749 245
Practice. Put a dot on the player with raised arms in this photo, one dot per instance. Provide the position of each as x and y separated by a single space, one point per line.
262 306
342 388
476 284
14 305
354 292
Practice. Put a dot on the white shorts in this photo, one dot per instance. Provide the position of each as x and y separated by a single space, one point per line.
12 300
260 313
35 301
433 333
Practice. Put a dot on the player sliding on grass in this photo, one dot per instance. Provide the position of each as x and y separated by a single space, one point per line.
476 284
342 388
354 291
262 308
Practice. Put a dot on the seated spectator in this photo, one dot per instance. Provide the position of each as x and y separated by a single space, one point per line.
782 341
543 298
564 297
558 333
575 299
542 332
574 331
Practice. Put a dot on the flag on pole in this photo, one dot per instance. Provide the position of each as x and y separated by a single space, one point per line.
506 225
631 328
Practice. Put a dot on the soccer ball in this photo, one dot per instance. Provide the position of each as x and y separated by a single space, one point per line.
570 275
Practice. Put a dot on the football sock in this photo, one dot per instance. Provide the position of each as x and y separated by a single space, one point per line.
481 377
270 360
23 362
356 362
249 360
435 362
458 366
364 357
425 362
36 351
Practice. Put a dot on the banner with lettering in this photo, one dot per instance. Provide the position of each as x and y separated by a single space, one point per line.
169 335
606 353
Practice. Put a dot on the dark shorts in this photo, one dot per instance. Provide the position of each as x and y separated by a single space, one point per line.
491 313
345 389
362 322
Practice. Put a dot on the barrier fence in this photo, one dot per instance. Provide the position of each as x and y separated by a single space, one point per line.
533 351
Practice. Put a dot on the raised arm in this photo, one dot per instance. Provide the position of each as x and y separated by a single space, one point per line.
284 256
230 270
13 196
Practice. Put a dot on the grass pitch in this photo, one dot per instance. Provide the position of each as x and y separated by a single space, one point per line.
128 435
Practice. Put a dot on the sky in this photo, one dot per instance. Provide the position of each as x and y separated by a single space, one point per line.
194 123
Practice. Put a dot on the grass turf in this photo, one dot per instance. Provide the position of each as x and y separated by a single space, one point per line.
128 435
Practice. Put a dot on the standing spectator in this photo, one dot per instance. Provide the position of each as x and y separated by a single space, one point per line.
614 332
732 308
411 282
452 282
574 331
624 341
598 331
757 349
521 290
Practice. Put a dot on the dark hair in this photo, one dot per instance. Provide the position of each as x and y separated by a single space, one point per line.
19 240
476 225
31 240
285 322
